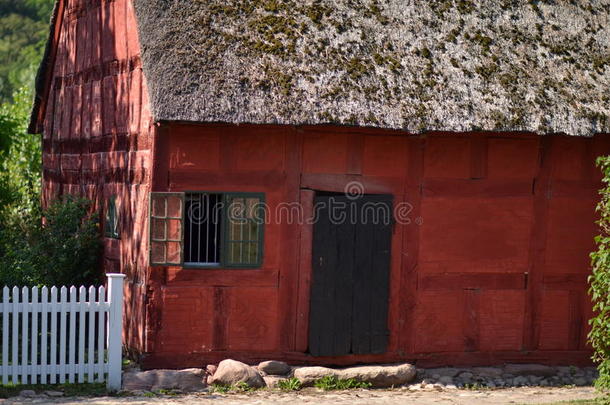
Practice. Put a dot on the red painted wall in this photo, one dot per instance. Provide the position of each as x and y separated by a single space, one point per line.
97 134
492 266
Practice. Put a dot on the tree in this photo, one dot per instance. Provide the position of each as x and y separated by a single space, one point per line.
20 158
24 29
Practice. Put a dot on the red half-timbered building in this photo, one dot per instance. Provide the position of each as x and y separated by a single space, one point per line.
477 126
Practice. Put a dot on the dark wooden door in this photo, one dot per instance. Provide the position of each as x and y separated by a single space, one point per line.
350 280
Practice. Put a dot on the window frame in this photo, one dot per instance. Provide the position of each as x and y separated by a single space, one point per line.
225 234
115 231
165 218
223 239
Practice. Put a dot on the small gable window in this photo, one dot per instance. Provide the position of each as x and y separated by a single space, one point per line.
207 229
111 221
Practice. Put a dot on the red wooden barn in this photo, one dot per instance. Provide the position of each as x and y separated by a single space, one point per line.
209 133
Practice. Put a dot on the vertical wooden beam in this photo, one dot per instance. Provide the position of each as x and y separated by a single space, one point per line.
355 151
304 271
160 158
536 260
470 322
410 246
227 145
220 321
478 156
575 318
289 260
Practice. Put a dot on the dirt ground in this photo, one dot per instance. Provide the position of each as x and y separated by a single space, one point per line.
526 395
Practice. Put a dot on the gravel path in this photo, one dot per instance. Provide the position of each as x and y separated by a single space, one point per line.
525 395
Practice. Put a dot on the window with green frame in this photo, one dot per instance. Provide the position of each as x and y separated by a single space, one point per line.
111 220
207 229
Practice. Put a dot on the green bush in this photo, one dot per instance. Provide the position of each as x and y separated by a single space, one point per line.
599 281
63 249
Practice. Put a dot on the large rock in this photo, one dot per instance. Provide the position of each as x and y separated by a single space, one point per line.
378 376
308 375
272 381
187 380
139 380
381 376
529 369
231 372
273 367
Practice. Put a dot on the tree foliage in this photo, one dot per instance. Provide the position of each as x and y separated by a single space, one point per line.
63 249
24 28
60 246
20 158
599 281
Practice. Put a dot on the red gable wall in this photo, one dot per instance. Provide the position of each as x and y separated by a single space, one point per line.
97 132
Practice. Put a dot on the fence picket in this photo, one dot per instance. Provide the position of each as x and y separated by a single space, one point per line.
15 337
44 333
91 337
5 333
100 336
82 300
72 335
63 314
32 334
34 339
53 359
24 334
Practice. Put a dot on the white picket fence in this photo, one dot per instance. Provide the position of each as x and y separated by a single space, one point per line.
74 336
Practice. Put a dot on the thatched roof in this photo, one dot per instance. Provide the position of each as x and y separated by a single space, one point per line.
455 65
537 65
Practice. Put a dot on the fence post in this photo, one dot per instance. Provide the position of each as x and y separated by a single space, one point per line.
115 330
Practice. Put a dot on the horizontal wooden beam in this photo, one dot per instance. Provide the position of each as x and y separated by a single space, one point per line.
180 360
462 281
477 188
178 276
338 183
567 281
197 179
575 189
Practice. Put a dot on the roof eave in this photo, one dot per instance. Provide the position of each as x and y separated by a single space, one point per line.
45 70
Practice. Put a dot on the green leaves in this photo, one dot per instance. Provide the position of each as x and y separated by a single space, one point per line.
599 282
20 158
24 28
64 249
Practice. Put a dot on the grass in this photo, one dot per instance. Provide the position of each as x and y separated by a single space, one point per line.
290 384
329 383
69 390
240 387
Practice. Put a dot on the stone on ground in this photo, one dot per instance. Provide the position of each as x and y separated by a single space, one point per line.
231 372
488 371
443 372
272 380
27 393
211 369
529 369
187 380
308 375
380 376
273 367
54 393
